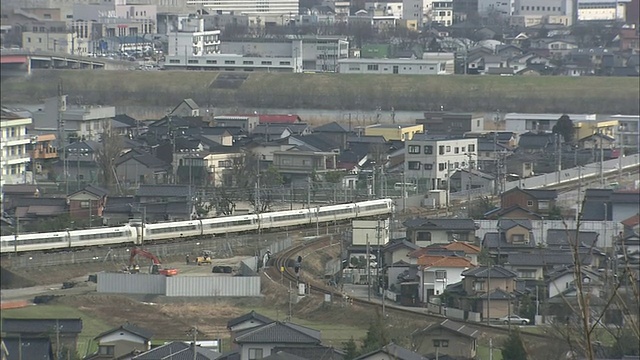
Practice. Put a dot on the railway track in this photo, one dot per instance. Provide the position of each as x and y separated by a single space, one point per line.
287 259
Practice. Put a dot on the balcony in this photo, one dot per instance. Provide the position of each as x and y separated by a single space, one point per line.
16 140
46 153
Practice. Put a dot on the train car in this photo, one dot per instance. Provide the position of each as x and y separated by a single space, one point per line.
103 236
172 230
336 212
229 224
35 242
278 219
374 208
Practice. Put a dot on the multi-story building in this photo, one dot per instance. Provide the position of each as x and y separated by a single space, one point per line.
198 43
413 13
442 13
394 132
248 7
628 132
14 148
430 160
316 52
385 8
53 36
602 10
80 122
493 7
233 62
520 122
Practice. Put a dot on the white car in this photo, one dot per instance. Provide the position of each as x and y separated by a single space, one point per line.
514 319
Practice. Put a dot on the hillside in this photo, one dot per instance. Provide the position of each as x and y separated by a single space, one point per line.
333 91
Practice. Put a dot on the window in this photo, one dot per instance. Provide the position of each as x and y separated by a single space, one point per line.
472 148
456 150
440 343
255 354
106 350
442 166
285 62
448 148
441 275
428 166
478 286
428 149
463 149
247 62
526 273
174 61
441 150
372 67
456 165
543 205
266 62
212 61
84 204
414 165
424 236
229 61
414 149
192 61
529 203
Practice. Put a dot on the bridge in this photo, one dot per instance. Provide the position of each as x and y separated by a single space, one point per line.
20 62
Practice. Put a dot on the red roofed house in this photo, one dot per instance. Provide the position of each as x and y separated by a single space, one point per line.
279 119
436 272
632 223
470 251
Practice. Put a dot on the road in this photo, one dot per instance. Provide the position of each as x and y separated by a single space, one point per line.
29 293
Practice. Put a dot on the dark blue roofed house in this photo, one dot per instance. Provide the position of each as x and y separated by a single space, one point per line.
24 347
457 340
122 342
66 330
336 131
512 236
610 205
137 167
532 142
247 321
258 342
391 351
424 232
166 202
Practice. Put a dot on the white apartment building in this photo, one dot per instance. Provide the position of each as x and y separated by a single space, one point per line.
502 7
602 10
233 62
543 8
384 8
393 66
430 159
14 147
442 12
248 7
628 131
520 123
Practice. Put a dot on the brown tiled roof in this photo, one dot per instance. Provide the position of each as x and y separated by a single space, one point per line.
444 261
463 246
632 221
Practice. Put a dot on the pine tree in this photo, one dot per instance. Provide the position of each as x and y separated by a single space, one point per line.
513 347
350 348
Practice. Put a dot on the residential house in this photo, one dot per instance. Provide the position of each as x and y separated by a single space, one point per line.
318 352
520 164
66 331
269 132
597 141
124 341
397 250
556 48
220 135
468 250
135 127
260 341
279 119
450 124
534 265
394 131
137 167
566 239
248 123
513 236
424 232
607 204
27 347
535 200
31 209
465 179
532 143
436 272
430 160
14 193
631 224
624 204
564 279
81 161
119 210
220 164
447 338
87 202
301 161
147 194
513 212
178 350
391 352
44 152
192 168
247 321
334 130
187 107
315 142
492 286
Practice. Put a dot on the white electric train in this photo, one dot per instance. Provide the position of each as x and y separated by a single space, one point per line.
186 229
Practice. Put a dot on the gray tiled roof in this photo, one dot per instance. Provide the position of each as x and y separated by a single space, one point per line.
441 224
247 317
315 352
493 240
506 224
399 244
31 348
276 332
497 294
483 272
561 237
544 258
332 127
535 141
130 328
281 355
162 351
626 197
541 194
320 142
453 326
41 326
164 190
395 352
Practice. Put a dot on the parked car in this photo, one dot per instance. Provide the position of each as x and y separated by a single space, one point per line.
514 319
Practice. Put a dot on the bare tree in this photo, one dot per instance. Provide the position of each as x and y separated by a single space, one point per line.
110 148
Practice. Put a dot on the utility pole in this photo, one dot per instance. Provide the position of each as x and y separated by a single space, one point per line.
308 192
601 160
62 107
496 121
470 187
368 271
559 158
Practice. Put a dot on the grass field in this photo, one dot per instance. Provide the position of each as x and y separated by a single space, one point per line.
90 325
336 91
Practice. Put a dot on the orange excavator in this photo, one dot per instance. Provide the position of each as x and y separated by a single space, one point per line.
156 266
